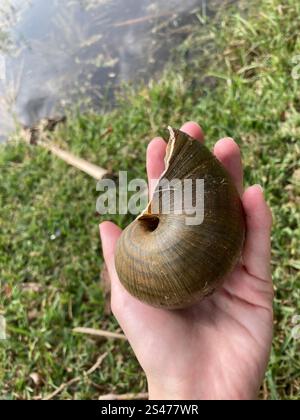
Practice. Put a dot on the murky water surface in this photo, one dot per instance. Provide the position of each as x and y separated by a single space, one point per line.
53 53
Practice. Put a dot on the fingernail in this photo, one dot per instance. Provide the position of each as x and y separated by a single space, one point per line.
259 186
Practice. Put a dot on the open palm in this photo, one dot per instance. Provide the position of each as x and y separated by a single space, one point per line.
218 348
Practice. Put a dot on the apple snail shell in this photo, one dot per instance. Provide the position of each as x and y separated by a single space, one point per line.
163 261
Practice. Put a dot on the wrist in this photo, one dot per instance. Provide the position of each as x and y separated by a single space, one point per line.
177 390
170 390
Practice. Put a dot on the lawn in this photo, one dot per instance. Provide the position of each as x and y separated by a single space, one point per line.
238 76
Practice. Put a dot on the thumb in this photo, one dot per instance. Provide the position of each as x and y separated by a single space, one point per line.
109 233
133 316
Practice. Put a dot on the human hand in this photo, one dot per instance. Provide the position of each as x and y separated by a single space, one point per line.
218 348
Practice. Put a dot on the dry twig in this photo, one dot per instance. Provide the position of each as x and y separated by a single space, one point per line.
38 136
99 333
130 396
77 379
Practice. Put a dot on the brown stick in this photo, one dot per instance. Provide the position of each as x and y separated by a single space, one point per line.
61 388
77 379
130 396
83 165
89 168
99 333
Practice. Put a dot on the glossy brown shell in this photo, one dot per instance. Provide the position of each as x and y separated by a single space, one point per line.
165 262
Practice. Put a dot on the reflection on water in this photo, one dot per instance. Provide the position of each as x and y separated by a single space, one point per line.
55 52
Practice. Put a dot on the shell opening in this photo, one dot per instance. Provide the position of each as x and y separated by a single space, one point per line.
149 222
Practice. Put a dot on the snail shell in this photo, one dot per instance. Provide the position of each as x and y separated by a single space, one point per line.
163 261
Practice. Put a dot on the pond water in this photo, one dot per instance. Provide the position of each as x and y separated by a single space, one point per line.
53 53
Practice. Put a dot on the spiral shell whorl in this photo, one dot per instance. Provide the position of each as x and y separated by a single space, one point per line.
165 262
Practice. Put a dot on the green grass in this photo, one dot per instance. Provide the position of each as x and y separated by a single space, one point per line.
237 83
